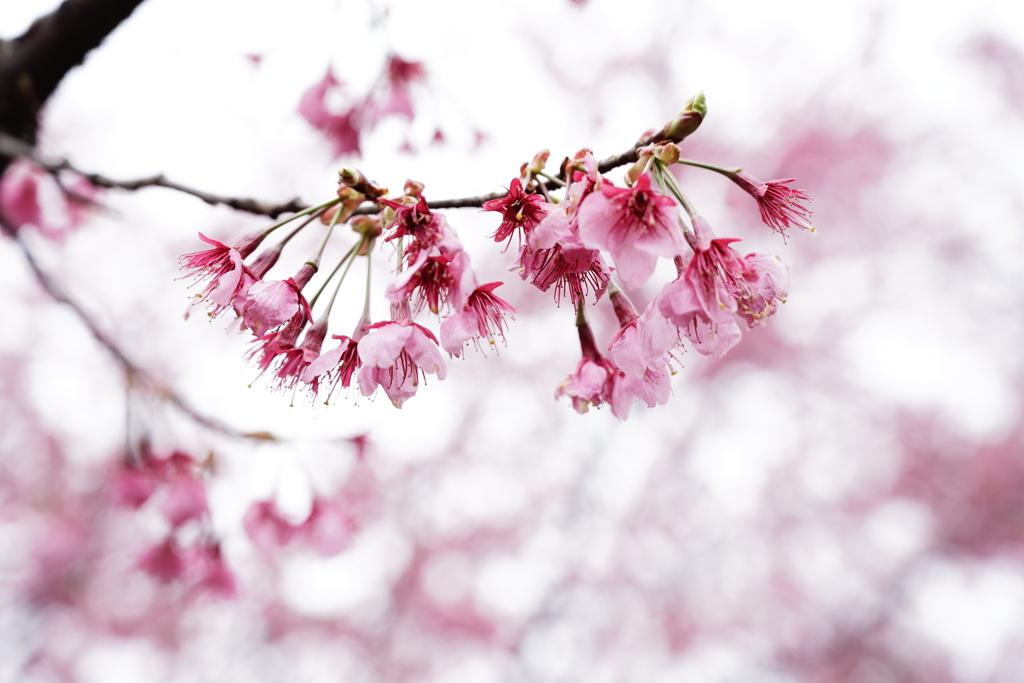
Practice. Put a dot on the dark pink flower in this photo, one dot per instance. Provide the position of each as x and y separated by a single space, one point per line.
483 317
780 206
635 224
519 211
417 221
431 281
395 355
298 359
19 194
164 561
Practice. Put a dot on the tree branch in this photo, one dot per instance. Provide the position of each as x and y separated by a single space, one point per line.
134 374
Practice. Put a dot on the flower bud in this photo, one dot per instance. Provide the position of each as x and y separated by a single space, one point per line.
355 179
685 122
667 153
414 188
539 161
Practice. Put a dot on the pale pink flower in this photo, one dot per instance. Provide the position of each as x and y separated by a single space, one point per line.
780 206
185 501
222 266
519 210
588 386
214 577
271 303
395 356
483 317
132 486
717 284
636 225
327 529
267 527
342 130
339 364
400 75
567 266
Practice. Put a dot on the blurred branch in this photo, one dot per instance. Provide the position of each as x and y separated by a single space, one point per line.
135 375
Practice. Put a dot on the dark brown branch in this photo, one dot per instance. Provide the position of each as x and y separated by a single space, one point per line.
11 146
135 375
32 65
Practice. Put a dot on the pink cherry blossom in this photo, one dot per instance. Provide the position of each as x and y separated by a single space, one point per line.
222 266
716 284
588 386
635 224
483 317
339 364
164 561
271 303
213 575
185 501
327 529
780 206
342 130
519 210
297 359
395 355
267 527
431 281
271 347
19 195
417 221
568 266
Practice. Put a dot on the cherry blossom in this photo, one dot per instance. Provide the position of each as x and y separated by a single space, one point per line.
519 210
395 355
781 207
483 317
635 224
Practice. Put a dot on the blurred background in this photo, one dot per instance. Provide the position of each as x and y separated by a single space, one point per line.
840 498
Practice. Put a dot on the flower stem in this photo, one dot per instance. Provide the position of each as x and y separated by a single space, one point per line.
304 212
668 183
711 167
347 257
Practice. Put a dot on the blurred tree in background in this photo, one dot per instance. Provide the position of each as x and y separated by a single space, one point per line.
840 497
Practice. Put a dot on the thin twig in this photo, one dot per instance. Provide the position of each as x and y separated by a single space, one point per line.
135 375
11 146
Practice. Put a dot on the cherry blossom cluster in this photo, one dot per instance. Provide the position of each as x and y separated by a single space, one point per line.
580 236
177 481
